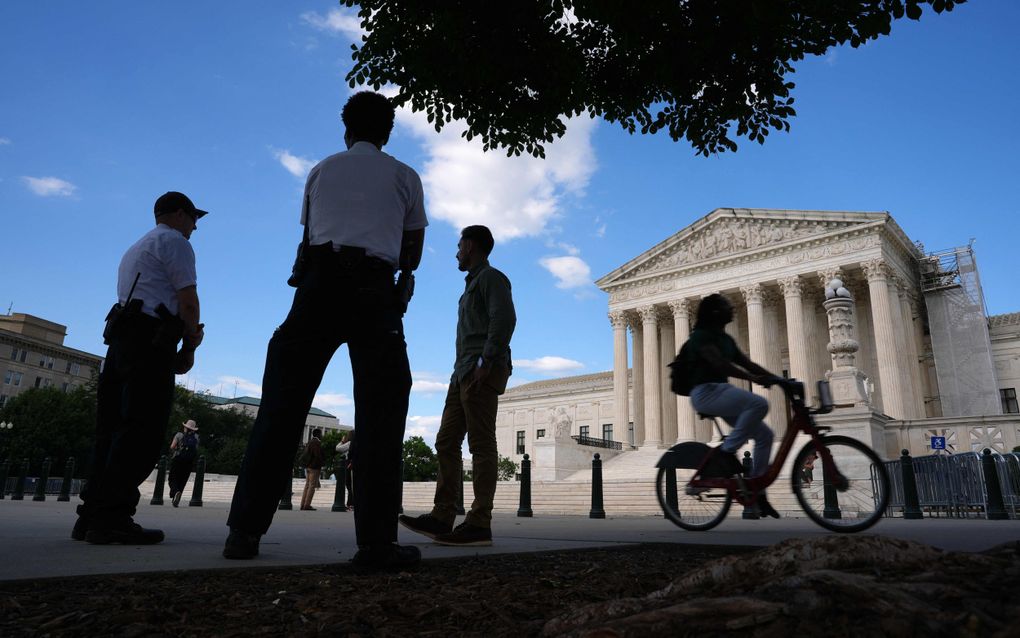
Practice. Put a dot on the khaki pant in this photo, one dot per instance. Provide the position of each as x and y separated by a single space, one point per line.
311 482
471 410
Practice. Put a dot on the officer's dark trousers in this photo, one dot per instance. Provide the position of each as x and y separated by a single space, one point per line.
135 392
332 306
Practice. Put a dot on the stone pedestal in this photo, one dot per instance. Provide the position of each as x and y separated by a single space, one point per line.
848 384
555 459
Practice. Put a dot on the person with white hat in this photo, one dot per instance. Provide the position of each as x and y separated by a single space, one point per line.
184 451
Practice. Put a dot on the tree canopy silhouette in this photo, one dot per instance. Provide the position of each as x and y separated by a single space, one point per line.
511 71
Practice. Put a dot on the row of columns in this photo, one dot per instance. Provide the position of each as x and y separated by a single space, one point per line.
657 331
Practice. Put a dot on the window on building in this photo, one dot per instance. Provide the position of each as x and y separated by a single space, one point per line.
8 377
67 370
38 382
47 383
75 369
22 356
3 400
1009 404
607 431
17 379
49 363
14 354
520 441
584 431
540 434
64 386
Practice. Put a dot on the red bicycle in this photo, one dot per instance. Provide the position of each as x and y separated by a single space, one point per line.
696 488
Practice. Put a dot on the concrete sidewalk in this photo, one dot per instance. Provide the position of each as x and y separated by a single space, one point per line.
35 538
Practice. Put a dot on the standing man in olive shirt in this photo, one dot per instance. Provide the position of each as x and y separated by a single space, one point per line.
485 323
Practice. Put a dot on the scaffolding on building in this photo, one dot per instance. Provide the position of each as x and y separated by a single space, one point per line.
958 325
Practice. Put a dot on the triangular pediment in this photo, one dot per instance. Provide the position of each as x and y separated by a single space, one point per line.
726 233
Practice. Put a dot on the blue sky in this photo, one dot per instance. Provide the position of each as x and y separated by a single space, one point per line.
105 105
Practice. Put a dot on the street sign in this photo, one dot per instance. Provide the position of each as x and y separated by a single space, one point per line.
938 442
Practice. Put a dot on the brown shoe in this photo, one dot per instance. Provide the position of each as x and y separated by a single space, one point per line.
465 535
426 525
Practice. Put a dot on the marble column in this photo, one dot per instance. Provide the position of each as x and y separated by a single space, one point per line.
621 400
796 333
867 359
814 346
903 364
653 397
911 352
758 346
889 372
733 329
774 362
667 351
922 355
685 428
638 372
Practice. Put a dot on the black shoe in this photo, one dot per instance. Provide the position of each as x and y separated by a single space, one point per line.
765 508
426 525
241 545
81 527
176 500
466 535
386 558
130 534
722 464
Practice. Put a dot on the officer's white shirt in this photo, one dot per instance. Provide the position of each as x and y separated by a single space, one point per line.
166 261
366 198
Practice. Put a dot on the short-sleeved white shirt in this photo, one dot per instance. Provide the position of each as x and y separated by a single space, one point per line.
166 261
366 198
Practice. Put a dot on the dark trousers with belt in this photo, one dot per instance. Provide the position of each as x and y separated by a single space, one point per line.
134 397
334 304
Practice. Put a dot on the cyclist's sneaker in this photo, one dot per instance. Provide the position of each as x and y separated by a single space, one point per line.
765 508
722 464
426 525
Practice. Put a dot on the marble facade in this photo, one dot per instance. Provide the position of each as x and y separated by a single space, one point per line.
774 266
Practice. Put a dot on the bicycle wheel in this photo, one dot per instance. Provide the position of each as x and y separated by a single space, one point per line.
853 506
694 509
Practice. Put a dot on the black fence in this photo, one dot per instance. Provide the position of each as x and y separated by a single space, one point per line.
608 444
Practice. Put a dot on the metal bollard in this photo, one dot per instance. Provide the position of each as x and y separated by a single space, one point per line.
340 494
911 504
157 492
750 512
40 484
460 490
285 502
196 492
5 470
524 511
597 511
65 485
19 485
996 508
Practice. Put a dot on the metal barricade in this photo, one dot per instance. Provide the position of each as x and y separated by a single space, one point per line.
967 484
1007 466
896 499
934 491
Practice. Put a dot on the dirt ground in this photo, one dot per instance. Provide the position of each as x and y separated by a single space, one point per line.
630 591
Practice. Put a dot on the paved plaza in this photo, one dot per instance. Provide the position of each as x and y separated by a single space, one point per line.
35 541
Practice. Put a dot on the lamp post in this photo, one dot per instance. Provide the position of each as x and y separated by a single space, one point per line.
6 426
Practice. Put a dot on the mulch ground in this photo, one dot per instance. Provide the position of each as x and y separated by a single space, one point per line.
505 595
834 586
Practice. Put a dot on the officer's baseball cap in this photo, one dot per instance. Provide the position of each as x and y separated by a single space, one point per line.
173 201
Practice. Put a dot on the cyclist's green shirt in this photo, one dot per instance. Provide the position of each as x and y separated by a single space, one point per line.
698 369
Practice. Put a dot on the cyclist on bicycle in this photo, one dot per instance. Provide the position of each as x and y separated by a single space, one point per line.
709 357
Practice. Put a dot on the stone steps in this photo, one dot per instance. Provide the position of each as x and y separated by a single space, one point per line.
620 497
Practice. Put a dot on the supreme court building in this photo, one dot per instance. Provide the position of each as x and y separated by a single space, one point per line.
906 345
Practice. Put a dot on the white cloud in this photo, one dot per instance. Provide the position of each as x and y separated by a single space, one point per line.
548 365
50 186
424 426
237 386
295 165
513 196
428 383
570 271
4 141
331 401
337 22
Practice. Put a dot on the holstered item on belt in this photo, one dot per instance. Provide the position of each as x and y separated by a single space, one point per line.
404 289
117 317
170 330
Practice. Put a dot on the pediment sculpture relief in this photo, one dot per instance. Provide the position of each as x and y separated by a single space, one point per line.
728 237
